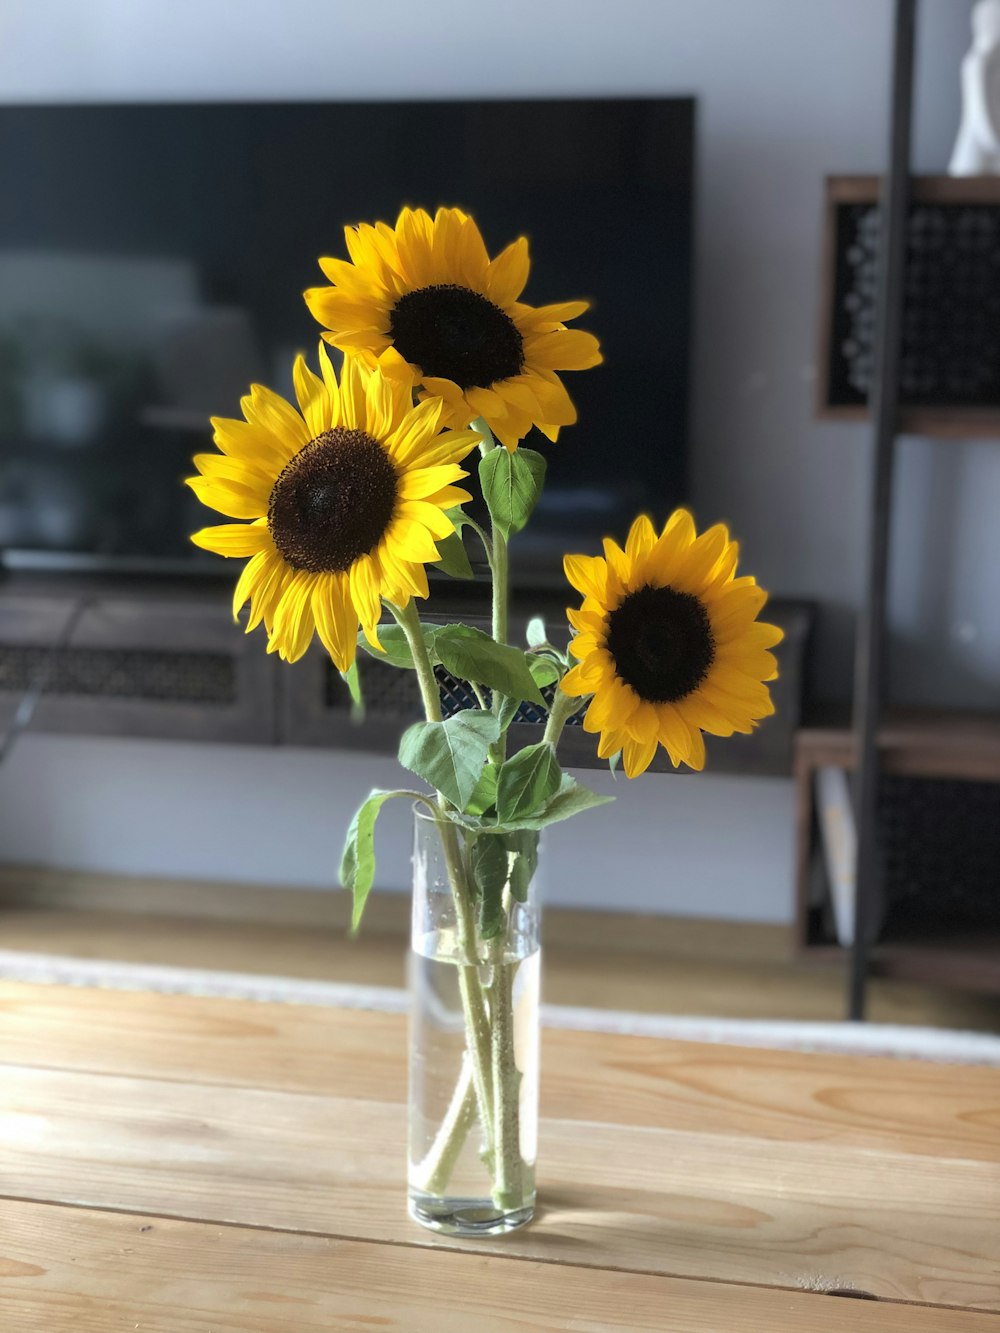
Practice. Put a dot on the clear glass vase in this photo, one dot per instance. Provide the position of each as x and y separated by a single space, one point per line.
474 992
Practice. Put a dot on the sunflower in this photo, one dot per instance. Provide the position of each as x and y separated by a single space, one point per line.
429 289
345 498
668 643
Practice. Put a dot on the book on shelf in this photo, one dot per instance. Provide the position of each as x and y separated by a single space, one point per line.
838 838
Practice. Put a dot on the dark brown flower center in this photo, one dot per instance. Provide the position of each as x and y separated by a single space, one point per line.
662 643
454 333
333 502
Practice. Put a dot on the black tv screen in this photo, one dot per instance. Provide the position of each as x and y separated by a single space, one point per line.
152 260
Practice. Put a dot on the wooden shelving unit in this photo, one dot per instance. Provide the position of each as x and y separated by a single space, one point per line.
913 744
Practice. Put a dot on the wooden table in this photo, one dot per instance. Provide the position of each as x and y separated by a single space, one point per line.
170 1164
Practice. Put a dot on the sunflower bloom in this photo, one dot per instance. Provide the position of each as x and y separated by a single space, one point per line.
668 643
342 500
428 289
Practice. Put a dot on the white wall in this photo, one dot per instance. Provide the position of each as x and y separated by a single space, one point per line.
788 90
718 846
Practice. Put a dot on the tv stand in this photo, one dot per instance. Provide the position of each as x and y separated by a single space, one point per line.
161 658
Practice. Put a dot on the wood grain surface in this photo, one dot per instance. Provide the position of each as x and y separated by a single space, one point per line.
56 1267
683 1187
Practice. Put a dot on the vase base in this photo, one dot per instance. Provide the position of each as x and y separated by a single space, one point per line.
466 1217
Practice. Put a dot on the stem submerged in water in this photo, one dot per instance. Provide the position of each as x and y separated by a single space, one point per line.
474 1008
489 1082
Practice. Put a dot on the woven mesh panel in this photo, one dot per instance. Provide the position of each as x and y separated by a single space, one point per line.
950 302
393 693
388 691
113 673
456 695
941 848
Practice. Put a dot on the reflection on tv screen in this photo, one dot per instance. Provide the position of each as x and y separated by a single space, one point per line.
151 259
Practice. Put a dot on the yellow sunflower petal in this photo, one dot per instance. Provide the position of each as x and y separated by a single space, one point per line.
757 664
588 574
248 581
563 349
353 395
674 731
419 483
234 539
554 402
240 439
405 579
364 584
329 376
507 275
220 467
637 755
409 540
280 418
229 498
696 757
612 706
380 411
544 318
356 282
582 645
699 714
336 621
701 559
611 742
294 622
435 520
587 675
586 621
312 398
641 539
473 259
662 561
760 635
270 582
415 433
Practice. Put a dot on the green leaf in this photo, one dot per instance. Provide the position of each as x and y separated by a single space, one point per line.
454 560
485 794
544 670
507 711
473 655
357 865
524 863
571 799
527 781
396 649
352 681
490 868
512 483
536 633
450 755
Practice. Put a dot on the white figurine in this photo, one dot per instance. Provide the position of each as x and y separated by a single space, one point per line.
977 148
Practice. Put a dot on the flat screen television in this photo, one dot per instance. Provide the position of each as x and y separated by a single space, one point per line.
152 259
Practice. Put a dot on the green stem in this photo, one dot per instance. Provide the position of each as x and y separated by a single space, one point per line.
477 1017
483 537
434 1172
500 569
508 1192
563 708
408 619
501 577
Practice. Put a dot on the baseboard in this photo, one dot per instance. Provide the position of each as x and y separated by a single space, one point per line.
387 913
